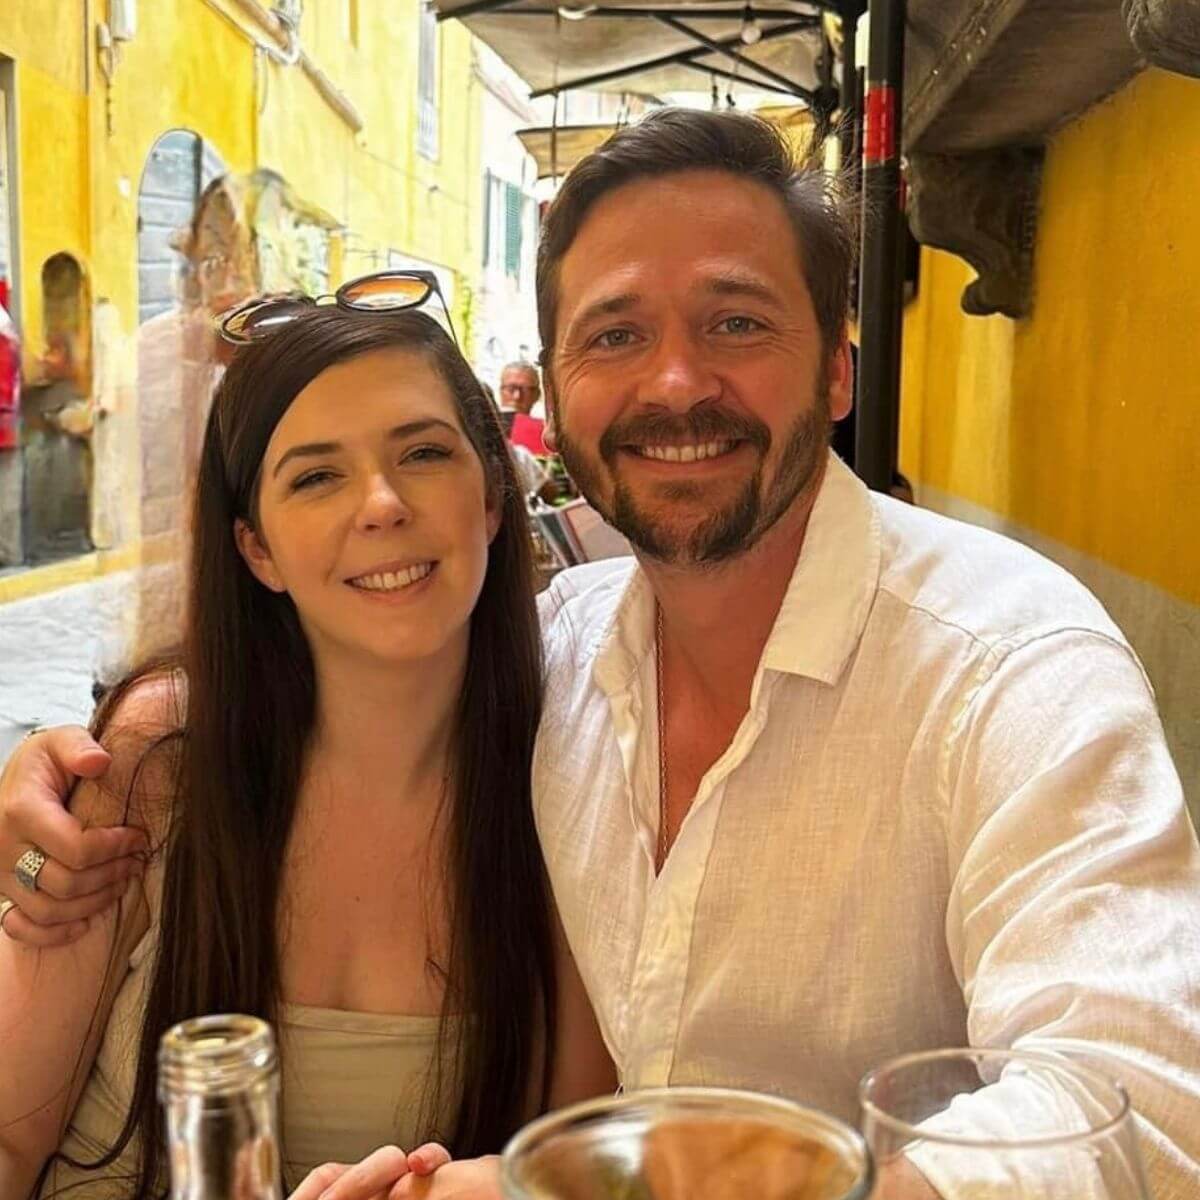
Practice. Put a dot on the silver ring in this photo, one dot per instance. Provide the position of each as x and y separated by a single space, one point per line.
28 866
6 906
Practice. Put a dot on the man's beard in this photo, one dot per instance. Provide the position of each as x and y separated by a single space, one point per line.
730 530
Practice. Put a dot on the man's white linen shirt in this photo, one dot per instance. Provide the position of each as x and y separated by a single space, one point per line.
948 817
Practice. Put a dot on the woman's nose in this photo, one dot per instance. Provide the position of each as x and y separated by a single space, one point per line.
382 506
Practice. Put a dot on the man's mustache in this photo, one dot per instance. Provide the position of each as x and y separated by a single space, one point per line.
709 423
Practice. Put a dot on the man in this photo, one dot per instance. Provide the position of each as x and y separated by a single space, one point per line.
823 778
519 395
534 478
519 387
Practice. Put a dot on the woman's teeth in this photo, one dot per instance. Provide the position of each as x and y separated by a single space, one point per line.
690 453
392 581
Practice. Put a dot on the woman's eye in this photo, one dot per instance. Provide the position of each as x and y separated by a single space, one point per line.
427 454
311 479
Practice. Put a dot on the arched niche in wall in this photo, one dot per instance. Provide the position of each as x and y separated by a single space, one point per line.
56 420
178 168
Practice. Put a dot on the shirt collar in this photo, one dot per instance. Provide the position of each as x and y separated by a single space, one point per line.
833 586
627 638
824 609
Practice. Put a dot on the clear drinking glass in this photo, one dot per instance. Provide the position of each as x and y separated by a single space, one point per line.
686 1144
998 1125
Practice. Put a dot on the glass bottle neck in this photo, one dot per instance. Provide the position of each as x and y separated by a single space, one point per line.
218 1081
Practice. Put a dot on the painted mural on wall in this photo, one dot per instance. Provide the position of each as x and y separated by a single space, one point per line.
249 234
83 435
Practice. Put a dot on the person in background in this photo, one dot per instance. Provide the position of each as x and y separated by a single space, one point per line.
534 478
520 392
520 387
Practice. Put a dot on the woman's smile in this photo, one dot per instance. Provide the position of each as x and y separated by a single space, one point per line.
394 582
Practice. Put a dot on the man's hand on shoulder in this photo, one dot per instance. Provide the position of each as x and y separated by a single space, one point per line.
84 870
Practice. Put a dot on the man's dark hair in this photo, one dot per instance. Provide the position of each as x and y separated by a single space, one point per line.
677 139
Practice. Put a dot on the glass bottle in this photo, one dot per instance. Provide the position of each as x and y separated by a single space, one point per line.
218 1081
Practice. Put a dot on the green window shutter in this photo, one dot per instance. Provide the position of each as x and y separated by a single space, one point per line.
487 217
512 229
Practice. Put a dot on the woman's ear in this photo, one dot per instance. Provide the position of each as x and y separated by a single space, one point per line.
494 515
256 555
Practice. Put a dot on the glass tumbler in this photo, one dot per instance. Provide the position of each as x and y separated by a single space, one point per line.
999 1125
686 1144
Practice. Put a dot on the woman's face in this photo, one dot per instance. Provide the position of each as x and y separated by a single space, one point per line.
374 513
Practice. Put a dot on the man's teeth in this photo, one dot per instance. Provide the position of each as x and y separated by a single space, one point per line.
391 581
690 453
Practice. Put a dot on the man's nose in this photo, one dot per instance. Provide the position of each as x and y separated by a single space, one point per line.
382 506
679 373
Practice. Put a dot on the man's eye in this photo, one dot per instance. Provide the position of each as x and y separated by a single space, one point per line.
614 339
740 325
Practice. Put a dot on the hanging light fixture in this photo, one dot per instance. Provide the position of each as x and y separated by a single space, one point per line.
751 33
575 11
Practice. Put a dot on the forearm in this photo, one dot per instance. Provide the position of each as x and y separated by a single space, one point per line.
18 1172
1074 913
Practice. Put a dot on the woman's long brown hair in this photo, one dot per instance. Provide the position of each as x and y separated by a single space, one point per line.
241 746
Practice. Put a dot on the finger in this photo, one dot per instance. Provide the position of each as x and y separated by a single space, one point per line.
61 883
316 1181
376 1173
46 912
21 929
426 1159
72 752
41 820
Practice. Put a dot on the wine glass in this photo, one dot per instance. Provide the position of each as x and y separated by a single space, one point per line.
686 1144
999 1125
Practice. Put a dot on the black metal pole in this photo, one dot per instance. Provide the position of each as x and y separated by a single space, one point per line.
850 101
880 292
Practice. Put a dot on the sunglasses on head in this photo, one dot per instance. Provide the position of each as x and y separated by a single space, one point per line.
381 292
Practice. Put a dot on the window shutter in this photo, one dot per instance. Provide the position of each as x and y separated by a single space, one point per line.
487 217
512 229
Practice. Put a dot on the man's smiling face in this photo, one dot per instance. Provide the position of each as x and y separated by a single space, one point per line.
691 393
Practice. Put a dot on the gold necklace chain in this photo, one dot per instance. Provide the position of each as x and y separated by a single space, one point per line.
662 740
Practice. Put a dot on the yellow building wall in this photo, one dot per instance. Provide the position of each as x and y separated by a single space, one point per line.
83 143
1078 429
384 194
190 67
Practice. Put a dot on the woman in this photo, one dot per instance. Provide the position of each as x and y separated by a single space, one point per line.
336 781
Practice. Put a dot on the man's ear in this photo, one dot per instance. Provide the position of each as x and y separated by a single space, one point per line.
256 555
841 380
550 431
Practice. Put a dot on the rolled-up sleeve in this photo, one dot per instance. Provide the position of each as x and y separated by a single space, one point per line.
1074 914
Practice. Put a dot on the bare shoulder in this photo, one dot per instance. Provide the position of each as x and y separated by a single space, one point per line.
141 727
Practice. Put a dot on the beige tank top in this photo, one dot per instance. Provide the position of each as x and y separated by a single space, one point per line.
351 1082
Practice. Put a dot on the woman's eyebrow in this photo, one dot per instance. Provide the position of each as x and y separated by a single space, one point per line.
308 450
